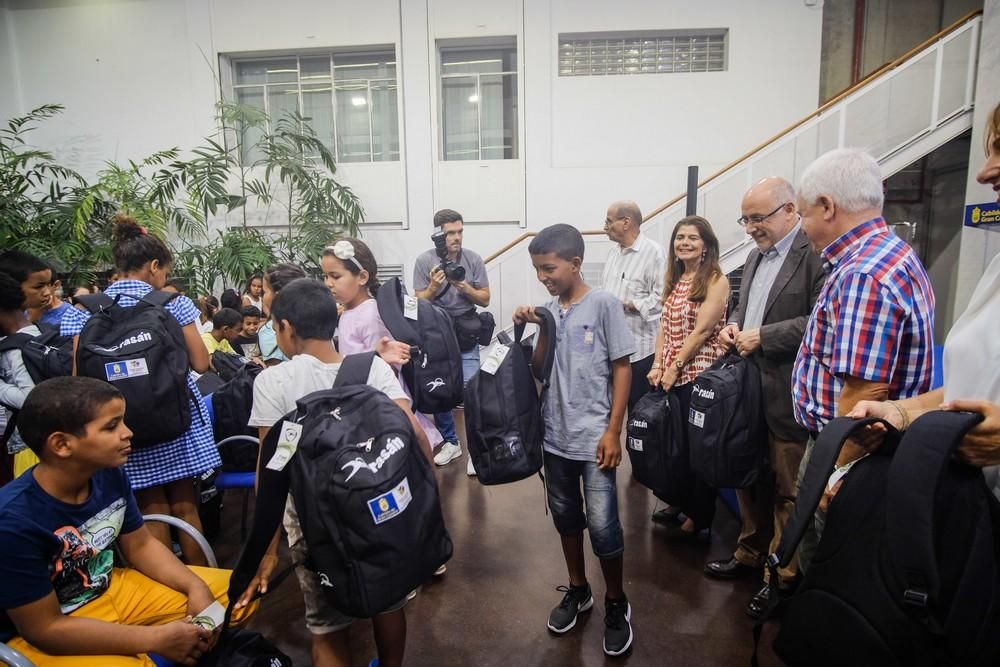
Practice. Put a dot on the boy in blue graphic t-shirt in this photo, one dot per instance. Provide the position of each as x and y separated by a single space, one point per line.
63 602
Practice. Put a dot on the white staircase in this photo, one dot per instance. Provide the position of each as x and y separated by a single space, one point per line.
899 114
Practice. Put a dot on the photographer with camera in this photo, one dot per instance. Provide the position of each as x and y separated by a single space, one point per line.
454 279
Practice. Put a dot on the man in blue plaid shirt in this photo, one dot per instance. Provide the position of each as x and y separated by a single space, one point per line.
871 332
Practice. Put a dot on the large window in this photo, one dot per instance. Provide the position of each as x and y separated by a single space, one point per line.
659 52
349 97
479 102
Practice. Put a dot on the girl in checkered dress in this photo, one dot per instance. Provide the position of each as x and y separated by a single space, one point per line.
695 296
162 476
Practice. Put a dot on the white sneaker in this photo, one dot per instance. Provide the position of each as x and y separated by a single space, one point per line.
447 453
470 469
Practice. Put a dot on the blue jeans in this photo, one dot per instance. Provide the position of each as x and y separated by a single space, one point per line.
445 421
600 491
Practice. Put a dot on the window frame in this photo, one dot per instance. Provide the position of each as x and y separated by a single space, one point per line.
472 45
230 61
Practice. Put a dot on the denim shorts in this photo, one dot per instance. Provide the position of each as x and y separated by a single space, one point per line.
563 480
321 616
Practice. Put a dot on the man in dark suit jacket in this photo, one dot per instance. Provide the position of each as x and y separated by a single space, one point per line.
781 280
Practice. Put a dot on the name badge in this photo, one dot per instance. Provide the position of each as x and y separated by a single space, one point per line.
410 308
494 358
288 444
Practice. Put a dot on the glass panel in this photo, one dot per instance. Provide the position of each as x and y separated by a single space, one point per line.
282 101
481 61
499 116
894 111
315 68
250 72
460 118
955 67
249 136
317 105
385 121
364 66
353 138
282 71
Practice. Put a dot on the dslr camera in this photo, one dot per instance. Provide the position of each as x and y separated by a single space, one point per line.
452 270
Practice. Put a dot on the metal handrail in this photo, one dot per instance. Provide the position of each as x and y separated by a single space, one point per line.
825 107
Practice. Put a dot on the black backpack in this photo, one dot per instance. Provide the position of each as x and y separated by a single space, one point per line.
232 403
227 365
907 571
141 351
503 410
45 356
725 424
365 495
434 372
659 459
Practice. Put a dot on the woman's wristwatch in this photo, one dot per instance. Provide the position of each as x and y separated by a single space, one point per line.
654 367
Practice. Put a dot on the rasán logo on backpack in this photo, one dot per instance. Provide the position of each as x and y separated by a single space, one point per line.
392 446
141 337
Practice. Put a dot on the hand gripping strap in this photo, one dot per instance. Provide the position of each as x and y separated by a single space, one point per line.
916 470
821 464
548 324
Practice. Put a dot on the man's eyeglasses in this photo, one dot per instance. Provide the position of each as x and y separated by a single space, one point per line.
757 219
608 222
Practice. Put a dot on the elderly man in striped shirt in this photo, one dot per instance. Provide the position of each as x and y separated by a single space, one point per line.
634 273
871 332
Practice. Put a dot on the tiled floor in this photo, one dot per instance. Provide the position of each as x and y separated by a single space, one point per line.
491 606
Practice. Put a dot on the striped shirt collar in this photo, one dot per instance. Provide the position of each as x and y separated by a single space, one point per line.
636 246
835 253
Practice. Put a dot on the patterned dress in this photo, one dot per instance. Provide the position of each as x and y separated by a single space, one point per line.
678 321
189 455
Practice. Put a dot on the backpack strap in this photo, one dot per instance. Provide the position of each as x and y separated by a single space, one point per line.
390 308
354 369
15 341
821 464
159 298
548 325
916 469
825 451
269 508
95 303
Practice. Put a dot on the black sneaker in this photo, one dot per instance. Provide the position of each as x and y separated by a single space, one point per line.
577 599
617 626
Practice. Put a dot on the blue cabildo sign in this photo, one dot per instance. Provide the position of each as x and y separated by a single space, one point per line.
982 215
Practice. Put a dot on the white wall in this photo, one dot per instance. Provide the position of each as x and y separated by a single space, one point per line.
980 246
139 75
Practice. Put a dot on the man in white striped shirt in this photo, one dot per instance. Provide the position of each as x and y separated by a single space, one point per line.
634 273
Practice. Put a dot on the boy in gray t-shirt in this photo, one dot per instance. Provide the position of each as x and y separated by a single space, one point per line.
583 412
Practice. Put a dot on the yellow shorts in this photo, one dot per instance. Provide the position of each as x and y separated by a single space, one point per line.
134 599
23 460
